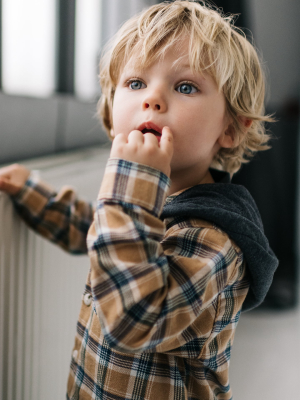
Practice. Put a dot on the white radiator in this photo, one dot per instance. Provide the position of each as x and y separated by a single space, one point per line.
41 287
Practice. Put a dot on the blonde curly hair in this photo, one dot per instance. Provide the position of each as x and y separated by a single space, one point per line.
216 46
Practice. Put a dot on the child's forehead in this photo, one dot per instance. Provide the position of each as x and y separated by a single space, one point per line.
179 65
176 57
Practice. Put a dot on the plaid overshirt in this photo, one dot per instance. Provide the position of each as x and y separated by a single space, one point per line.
165 296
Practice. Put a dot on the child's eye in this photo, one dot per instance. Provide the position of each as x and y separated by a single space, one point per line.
186 88
136 85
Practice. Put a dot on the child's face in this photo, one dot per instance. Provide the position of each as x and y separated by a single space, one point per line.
171 95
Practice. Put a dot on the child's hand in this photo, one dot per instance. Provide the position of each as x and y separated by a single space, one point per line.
145 149
13 178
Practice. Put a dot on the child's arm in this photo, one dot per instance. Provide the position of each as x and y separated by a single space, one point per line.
59 217
154 292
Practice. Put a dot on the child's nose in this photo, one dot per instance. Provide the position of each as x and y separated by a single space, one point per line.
156 106
155 102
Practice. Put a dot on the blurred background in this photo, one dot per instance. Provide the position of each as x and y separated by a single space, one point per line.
50 50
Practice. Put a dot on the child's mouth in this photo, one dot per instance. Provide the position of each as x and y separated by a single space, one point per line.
146 130
150 127
154 132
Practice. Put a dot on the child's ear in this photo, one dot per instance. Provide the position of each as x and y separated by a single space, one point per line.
246 122
226 139
112 133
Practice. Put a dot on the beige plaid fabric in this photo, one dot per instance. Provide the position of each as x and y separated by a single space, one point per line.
162 299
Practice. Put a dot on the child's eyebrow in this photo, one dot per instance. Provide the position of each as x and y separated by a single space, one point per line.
182 68
132 71
178 65
185 66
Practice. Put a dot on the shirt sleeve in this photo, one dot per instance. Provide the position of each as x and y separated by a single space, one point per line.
150 286
58 216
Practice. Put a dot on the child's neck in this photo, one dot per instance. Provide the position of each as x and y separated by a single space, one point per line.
181 180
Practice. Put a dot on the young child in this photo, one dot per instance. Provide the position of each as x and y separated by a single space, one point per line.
176 250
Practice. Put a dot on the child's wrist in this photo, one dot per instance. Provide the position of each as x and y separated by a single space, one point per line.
130 182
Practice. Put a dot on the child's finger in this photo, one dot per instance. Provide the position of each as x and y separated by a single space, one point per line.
166 141
2 183
120 138
118 145
8 187
136 136
150 139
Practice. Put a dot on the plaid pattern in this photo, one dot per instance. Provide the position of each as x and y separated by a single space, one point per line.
59 217
166 295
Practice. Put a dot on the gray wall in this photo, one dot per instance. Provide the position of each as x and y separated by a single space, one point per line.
116 12
275 26
33 127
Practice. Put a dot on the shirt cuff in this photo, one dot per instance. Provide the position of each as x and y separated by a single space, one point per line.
35 194
138 184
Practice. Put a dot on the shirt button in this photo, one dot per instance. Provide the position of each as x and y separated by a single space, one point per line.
87 299
75 354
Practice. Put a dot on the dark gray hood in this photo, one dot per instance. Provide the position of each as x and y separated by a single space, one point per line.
232 208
